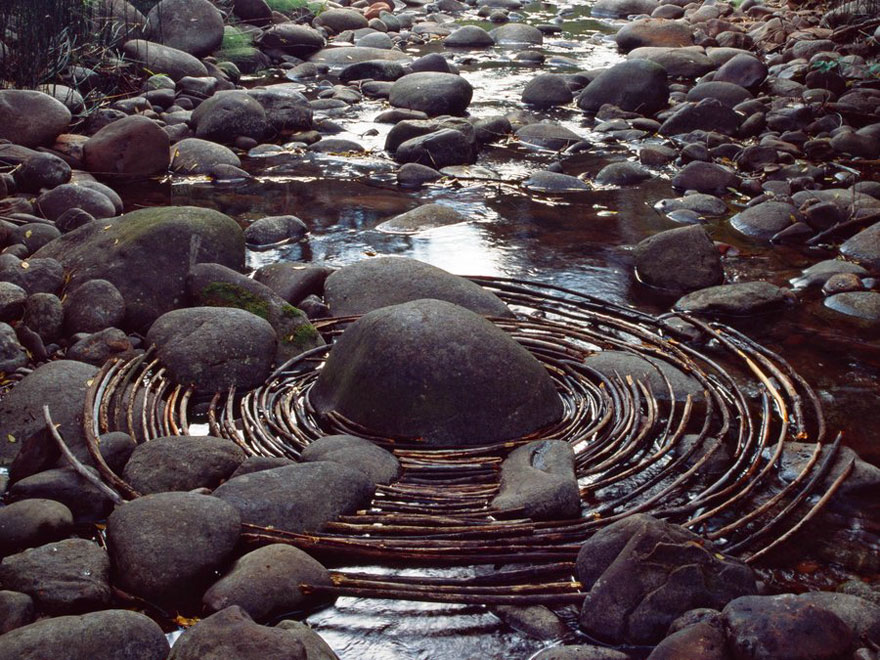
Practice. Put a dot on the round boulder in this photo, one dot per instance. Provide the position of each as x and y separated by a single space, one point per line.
228 115
195 156
634 85
31 118
546 90
432 93
193 26
432 370
94 306
469 36
214 347
132 146
164 59
380 465
654 32
682 259
292 39
375 283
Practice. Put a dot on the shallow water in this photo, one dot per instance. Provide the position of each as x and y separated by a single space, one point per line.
582 241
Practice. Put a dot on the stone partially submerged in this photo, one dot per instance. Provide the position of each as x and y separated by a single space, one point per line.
435 371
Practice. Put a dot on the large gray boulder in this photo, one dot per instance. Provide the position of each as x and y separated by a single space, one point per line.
864 247
540 479
164 59
181 463
147 254
30 118
682 259
383 281
170 543
737 299
622 8
214 348
267 581
432 92
765 220
230 634
64 577
654 372
107 635
297 498
61 385
633 85
292 39
641 573
432 370
230 114
380 465
654 32
33 522
193 26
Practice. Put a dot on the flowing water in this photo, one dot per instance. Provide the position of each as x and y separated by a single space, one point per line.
583 241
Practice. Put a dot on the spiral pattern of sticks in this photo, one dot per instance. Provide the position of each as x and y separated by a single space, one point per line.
709 462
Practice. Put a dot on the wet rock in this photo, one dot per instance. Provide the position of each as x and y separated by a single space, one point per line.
744 70
517 33
98 347
581 652
33 522
147 254
193 26
738 299
181 463
469 36
416 174
132 146
421 218
540 479
554 182
862 305
764 220
214 347
437 149
31 118
65 485
783 627
170 543
433 93
378 464
34 275
16 610
229 115
72 219
678 62
267 581
864 247
633 85
293 281
700 203
257 12
654 372
62 386
12 301
681 259
12 354
130 635
708 178
53 203
286 109
214 285
818 274
418 335
196 156
292 39
729 94
701 641
861 615
231 633
641 573
706 115
297 498
260 463
35 235
336 58
382 70
316 648
535 621
274 230
548 135
339 20
94 305
433 62
64 577
41 171
164 59
653 32
622 8
625 173
547 90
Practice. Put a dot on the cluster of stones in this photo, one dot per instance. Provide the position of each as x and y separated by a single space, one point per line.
80 283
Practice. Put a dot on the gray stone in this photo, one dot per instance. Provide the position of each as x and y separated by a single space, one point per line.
196 156
861 615
727 93
65 485
267 581
540 479
275 230
181 463
316 648
536 621
16 610
64 577
469 36
33 522
634 85
286 109
678 62
94 305
547 90
622 8
495 392
744 70
706 115
170 543
554 182
44 314
708 178
292 39
681 259
862 305
864 247
421 218
581 652
193 26
132 146
41 171
12 354
34 275
432 93
337 20
228 115
624 173
517 34
548 136
701 641
99 347
654 372
654 32
380 465
52 204
111 634
297 498
30 118
438 149
641 573
293 281
764 220
738 299
164 59
12 301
